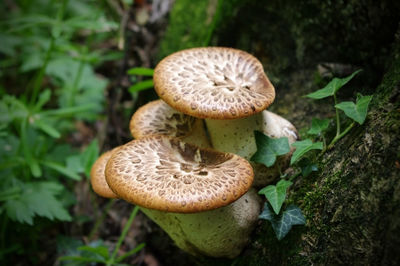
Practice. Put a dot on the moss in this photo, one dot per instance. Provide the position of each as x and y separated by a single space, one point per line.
351 203
188 26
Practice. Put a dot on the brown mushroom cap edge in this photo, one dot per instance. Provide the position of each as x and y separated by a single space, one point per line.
214 83
166 174
98 178
158 118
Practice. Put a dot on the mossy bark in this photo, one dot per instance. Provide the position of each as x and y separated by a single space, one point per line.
351 203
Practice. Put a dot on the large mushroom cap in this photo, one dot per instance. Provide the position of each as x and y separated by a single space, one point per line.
166 174
213 82
98 178
158 118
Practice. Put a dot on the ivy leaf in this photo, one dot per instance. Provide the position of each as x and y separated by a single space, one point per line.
357 111
332 87
37 199
307 167
318 126
276 194
268 149
304 146
284 222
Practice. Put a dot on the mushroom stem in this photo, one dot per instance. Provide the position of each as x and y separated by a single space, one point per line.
197 135
221 232
237 136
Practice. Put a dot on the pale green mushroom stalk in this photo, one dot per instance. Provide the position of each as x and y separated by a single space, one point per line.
200 197
237 136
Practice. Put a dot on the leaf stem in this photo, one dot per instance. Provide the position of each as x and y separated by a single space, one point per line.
340 135
75 85
279 169
337 117
111 260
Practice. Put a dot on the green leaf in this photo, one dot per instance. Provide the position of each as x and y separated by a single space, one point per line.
37 199
131 252
32 61
143 71
269 148
307 167
46 128
284 222
30 160
8 44
304 146
68 111
276 194
74 163
332 87
89 156
44 97
62 169
318 126
68 245
100 250
18 210
358 111
143 85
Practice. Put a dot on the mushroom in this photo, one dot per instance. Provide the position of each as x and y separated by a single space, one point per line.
274 126
225 86
158 118
198 196
97 177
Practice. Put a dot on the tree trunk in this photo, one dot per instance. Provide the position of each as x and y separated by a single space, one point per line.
351 203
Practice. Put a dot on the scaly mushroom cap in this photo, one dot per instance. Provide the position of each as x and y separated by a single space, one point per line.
213 82
98 178
158 118
166 174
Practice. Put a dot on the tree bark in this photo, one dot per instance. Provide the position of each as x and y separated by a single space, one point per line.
351 203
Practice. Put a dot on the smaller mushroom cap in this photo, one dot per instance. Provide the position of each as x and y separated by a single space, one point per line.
158 118
98 178
213 82
166 174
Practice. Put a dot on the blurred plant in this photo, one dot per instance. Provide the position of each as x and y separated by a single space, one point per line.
140 85
97 252
49 51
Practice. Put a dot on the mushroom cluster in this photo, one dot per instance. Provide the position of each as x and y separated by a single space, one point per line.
188 168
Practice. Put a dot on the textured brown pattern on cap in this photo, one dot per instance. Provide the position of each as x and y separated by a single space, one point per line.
213 82
167 174
98 178
158 118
